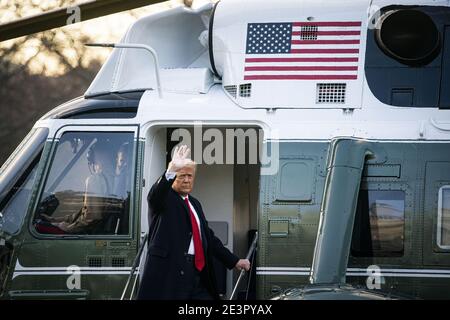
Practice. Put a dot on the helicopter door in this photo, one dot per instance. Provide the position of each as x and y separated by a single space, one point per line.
82 237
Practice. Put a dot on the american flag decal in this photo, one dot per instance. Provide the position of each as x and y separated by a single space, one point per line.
302 51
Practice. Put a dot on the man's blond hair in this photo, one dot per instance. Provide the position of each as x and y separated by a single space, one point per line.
191 164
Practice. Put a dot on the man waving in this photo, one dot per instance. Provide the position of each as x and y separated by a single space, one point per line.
181 246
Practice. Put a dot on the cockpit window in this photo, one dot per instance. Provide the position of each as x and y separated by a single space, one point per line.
17 177
379 224
89 185
15 208
443 234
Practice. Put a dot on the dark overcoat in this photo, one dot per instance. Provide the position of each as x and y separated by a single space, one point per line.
170 234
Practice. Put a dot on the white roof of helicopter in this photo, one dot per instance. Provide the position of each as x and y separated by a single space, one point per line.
173 33
191 93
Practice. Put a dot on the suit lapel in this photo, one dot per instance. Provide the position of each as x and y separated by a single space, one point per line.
197 209
182 204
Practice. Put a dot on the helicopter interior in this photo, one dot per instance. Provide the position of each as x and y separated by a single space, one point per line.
228 191
87 186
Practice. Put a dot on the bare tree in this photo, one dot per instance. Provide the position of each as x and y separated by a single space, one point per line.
27 89
63 46
40 71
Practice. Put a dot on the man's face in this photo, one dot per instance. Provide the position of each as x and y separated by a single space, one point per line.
98 167
120 161
184 181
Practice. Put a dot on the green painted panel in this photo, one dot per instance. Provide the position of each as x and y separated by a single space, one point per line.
285 211
292 196
279 228
382 171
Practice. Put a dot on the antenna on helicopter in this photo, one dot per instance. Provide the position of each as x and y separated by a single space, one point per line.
135 46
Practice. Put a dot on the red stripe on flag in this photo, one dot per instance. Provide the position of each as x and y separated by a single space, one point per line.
325 41
302 68
328 24
337 59
301 77
325 51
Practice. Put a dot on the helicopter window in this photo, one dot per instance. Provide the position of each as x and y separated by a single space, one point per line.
409 36
16 180
88 188
15 208
443 236
379 224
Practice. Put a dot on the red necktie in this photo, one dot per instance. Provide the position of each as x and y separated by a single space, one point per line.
198 248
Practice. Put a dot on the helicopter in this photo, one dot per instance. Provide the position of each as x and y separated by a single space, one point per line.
322 127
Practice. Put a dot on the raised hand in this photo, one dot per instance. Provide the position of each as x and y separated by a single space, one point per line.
180 158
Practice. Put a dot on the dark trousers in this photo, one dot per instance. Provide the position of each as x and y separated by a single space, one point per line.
192 287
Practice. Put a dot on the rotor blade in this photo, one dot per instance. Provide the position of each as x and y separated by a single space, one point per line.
68 15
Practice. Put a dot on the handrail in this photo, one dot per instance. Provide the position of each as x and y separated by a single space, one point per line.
249 254
135 46
133 269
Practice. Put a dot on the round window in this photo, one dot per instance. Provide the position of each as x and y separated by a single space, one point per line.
409 36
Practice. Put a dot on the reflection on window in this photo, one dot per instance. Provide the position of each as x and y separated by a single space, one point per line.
444 217
379 224
89 185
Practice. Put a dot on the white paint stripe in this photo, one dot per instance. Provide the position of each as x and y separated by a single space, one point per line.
21 268
66 273
402 274
58 273
351 274
282 273
362 270
404 270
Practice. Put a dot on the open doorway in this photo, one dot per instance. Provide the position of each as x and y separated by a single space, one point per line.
227 183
